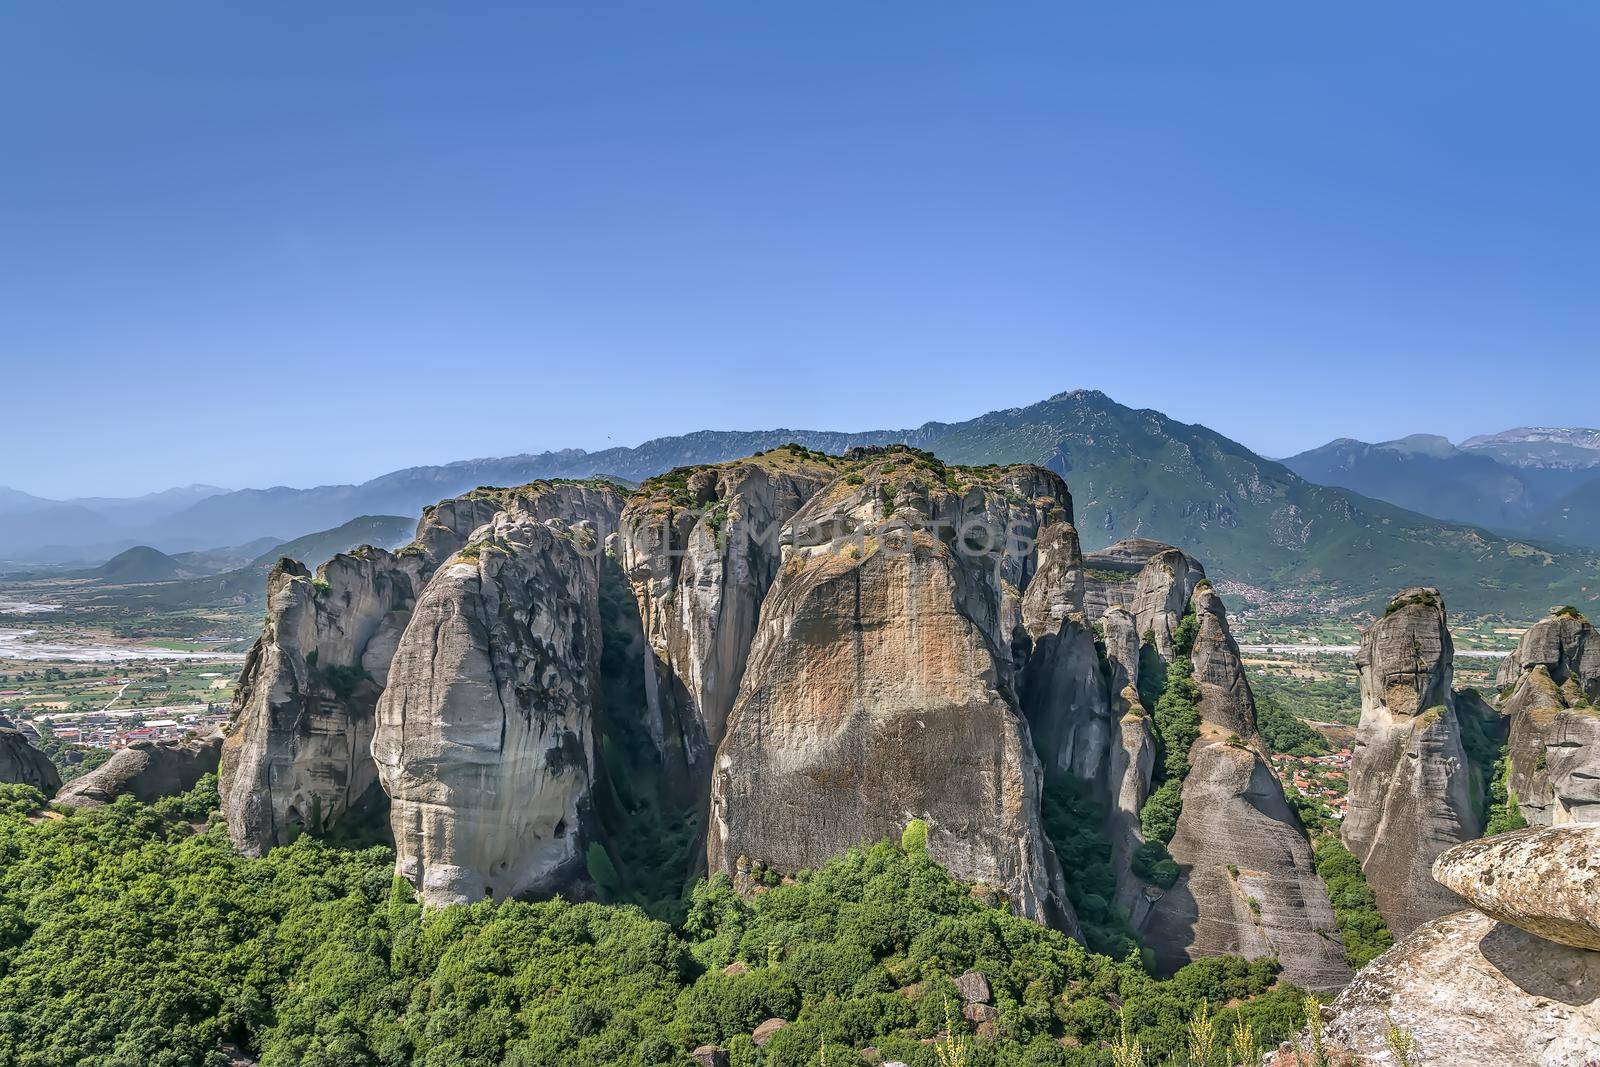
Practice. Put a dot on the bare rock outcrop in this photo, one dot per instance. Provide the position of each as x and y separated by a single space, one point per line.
1249 884
1411 784
483 740
145 770
1552 686
1064 687
1544 880
1249 887
1152 580
879 686
22 764
297 756
700 547
1470 990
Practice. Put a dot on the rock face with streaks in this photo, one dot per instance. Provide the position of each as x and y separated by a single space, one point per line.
1552 685
297 756
22 764
879 688
1151 580
1249 885
1064 685
700 547
483 740
1411 784
1515 982
146 771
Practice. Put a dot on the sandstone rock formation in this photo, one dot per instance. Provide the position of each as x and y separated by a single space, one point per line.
297 755
22 764
879 686
1249 884
1064 687
483 740
1469 989
701 547
1552 686
298 751
145 770
1412 787
1546 881
1152 580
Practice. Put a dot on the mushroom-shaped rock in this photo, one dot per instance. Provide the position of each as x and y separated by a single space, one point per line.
1473 991
764 1032
1545 881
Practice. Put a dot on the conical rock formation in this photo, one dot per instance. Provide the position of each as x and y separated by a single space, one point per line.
1249 884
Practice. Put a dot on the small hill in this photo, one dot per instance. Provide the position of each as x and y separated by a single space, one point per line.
141 564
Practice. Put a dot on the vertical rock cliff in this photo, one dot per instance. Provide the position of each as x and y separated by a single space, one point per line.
1412 787
700 547
1064 685
879 687
1552 687
1248 885
297 755
483 739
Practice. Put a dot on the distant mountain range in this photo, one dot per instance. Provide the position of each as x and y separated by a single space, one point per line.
1532 481
1132 473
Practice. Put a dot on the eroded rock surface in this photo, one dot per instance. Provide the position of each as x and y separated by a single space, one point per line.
878 688
1064 685
1471 990
483 739
700 548
145 770
22 764
1249 884
1411 784
1151 580
1544 880
298 751
1552 685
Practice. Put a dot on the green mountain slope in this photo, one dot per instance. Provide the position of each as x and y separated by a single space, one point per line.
1139 473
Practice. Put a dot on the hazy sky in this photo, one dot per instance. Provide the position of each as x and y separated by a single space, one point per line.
302 243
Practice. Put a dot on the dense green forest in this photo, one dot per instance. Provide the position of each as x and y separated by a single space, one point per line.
134 936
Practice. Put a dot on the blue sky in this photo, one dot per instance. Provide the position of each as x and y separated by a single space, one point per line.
297 243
